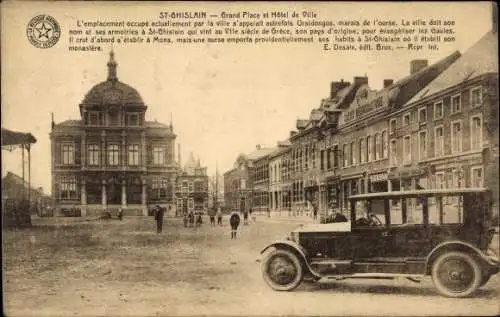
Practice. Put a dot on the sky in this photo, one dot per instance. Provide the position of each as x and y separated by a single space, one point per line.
224 99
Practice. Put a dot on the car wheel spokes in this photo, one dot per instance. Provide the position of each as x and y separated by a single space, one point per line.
456 275
281 270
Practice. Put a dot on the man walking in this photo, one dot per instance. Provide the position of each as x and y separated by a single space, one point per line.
211 214
315 211
219 216
234 221
159 212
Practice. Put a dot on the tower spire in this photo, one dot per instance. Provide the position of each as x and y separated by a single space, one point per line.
112 66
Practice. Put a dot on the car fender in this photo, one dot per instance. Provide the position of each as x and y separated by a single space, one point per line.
461 246
294 247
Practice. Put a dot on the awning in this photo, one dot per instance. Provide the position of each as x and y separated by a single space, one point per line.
16 138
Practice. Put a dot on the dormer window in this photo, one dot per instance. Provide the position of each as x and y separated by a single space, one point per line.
94 118
132 119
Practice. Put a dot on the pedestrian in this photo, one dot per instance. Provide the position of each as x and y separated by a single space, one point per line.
191 218
219 216
268 212
211 214
120 213
245 217
315 211
198 219
185 219
234 221
159 212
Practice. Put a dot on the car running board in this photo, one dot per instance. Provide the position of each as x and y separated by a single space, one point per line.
412 277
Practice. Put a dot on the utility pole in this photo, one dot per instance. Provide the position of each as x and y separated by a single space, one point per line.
216 201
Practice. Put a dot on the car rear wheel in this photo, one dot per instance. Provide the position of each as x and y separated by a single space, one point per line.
456 274
282 270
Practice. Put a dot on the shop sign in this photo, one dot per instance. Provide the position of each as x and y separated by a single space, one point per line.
380 177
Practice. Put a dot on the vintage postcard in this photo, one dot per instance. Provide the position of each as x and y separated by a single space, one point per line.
250 158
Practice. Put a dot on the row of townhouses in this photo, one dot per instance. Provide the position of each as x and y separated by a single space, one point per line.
114 158
435 128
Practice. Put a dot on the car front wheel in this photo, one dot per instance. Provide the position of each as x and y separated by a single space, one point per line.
282 270
456 274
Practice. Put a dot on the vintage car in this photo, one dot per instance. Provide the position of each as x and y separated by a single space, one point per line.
444 234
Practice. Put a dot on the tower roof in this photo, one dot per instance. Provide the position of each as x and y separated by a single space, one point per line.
112 91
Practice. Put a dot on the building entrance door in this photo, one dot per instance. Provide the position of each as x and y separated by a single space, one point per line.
242 204
184 206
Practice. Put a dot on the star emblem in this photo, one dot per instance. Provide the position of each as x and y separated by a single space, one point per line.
43 31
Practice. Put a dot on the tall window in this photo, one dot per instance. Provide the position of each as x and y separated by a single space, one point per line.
438 141
369 146
190 187
132 119
477 177
113 154
422 115
184 187
322 159
93 154
394 153
345 155
476 132
68 188
440 181
406 120
407 149
95 118
198 186
158 155
377 147
384 144
335 155
352 153
456 136
456 104
362 150
133 154
422 145
328 158
392 126
68 153
476 97
438 110
313 156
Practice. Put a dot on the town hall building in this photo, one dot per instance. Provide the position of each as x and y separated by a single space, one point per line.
112 157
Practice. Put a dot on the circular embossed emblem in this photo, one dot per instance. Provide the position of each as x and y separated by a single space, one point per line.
43 31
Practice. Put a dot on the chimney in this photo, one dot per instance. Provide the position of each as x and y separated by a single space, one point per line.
418 64
336 86
358 80
257 146
388 82
52 124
